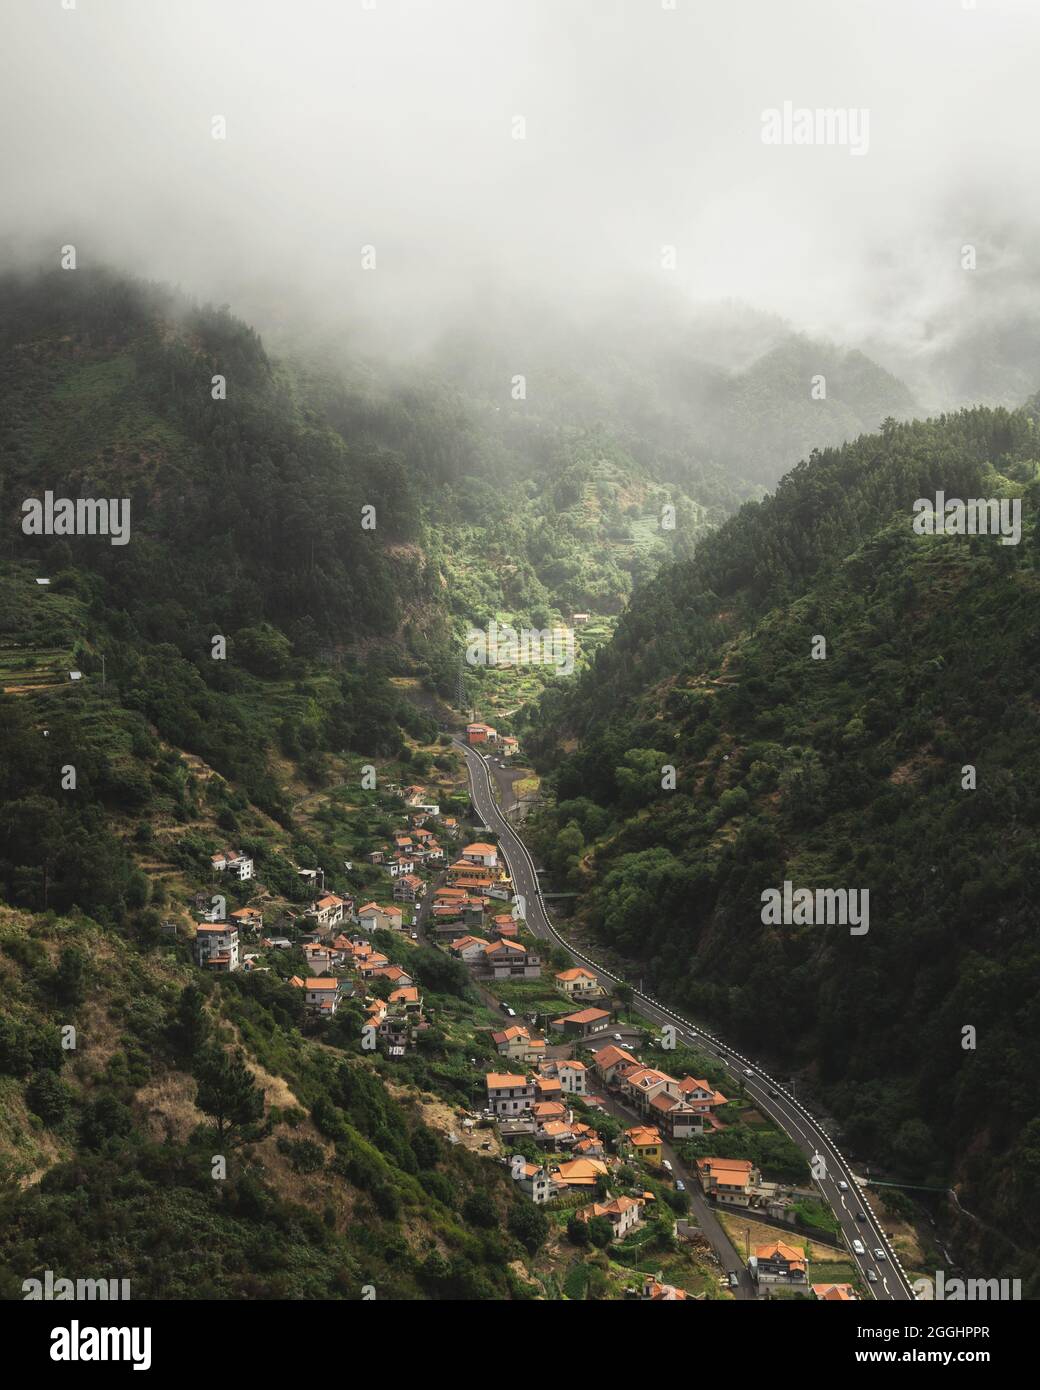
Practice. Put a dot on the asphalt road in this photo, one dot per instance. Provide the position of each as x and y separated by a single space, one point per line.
832 1173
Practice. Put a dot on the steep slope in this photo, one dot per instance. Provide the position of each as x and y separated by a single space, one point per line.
854 771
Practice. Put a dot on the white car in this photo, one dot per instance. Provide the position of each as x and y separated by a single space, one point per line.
618 1037
871 1276
843 1187
857 1246
879 1254
748 1071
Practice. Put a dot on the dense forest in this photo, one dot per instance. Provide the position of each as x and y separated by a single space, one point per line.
906 762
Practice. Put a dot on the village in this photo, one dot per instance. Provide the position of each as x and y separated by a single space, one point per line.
585 1119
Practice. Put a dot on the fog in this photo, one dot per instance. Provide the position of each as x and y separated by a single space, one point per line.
393 128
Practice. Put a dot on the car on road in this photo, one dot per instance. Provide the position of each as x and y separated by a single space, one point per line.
871 1276
734 1279
618 1037
860 1216
748 1071
666 1165
857 1245
415 936
509 1013
843 1186
680 1186
879 1254
774 1095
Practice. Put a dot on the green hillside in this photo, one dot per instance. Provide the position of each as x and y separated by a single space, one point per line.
851 771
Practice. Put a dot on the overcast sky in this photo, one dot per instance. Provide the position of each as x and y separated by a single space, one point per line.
393 127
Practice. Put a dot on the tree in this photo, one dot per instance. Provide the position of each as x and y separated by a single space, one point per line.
191 1026
49 1097
479 1210
70 978
530 1225
226 1090
601 1232
578 1231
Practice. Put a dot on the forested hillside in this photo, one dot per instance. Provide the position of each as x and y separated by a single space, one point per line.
851 771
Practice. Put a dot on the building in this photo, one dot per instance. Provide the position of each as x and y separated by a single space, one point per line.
611 1061
327 911
216 946
643 1084
509 1094
647 1143
516 1042
573 1077
729 1180
835 1293
576 983
580 1172
778 1263
233 861
680 1120
509 960
371 918
700 1095
583 1024
480 853
657 1292
409 888
508 745
623 1213
536 1182
322 997
469 949
480 733
247 918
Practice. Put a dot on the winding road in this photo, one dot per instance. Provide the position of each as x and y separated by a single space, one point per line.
835 1181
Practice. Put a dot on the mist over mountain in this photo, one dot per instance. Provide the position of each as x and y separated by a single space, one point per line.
341 339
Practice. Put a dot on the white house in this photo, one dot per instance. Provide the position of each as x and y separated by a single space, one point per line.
322 996
573 1077
216 945
536 1183
371 918
234 861
576 983
479 853
509 1094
